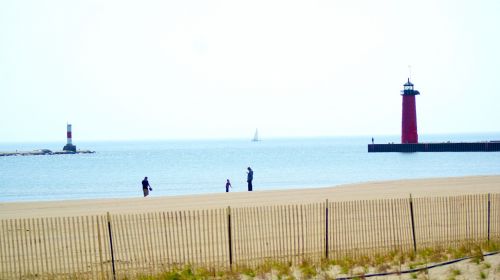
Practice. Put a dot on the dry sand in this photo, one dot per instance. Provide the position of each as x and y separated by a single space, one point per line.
464 270
362 191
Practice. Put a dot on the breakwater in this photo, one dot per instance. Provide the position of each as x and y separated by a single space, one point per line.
43 152
489 146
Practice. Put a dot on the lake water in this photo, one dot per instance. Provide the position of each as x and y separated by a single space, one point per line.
195 167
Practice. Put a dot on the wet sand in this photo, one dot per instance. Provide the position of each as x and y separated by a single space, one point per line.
362 191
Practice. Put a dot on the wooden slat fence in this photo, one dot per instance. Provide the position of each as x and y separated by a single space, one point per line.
154 242
55 248
369 227
147 243
495 216
288 233
445 221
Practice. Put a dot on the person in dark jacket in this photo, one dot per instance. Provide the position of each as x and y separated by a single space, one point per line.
146 187
250 179
228 185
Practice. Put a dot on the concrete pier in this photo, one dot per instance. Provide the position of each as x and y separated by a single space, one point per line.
487 146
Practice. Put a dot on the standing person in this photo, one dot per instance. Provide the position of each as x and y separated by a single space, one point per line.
250 178
228 185
146 187
372 141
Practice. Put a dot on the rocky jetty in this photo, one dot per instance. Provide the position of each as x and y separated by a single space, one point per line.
44 152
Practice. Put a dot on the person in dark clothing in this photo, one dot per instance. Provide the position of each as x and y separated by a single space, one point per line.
146 187
228 185
372 141
250 178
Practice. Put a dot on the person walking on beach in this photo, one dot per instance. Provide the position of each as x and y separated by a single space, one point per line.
250 178
146 187
228 185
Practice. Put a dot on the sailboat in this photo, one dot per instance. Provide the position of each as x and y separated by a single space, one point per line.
256 136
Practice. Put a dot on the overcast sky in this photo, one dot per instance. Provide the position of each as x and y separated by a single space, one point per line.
126 70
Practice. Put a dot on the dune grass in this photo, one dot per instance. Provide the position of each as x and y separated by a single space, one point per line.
359 265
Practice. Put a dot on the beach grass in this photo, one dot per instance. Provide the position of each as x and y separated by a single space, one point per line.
351 266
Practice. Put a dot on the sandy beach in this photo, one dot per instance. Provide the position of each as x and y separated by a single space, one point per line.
361 191
71 237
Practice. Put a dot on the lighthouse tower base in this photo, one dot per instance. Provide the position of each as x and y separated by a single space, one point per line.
69 148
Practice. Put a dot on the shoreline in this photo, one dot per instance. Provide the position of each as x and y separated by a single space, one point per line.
451 186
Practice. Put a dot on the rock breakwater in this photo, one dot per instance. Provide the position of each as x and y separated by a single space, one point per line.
44 152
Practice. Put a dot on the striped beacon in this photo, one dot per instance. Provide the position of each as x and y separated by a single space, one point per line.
69 147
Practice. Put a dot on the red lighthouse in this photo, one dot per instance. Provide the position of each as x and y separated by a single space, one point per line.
409 120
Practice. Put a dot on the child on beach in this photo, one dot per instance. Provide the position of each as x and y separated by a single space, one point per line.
228 185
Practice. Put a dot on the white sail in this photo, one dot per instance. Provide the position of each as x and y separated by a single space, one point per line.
256 136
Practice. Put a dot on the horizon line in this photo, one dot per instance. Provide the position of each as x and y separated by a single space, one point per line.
243 138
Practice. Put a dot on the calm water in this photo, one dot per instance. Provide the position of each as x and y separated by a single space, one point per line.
194 167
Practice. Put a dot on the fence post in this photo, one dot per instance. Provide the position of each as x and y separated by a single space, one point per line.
229 238
100 246
111 245
326 229
413 225
489 215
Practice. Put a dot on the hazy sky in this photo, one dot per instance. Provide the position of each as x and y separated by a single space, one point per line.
218 69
